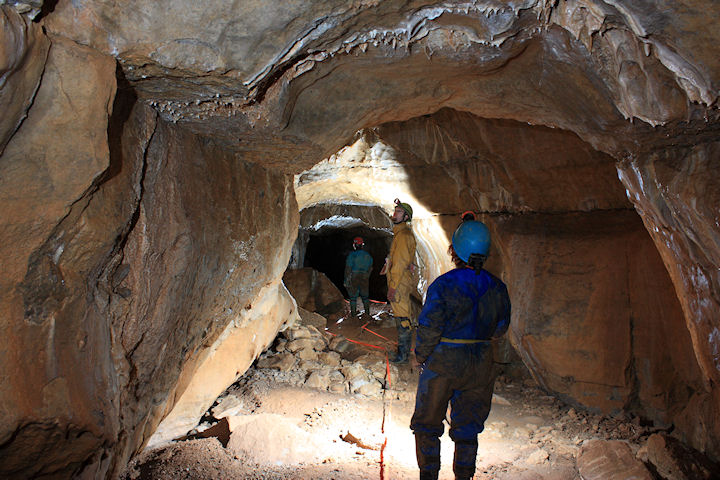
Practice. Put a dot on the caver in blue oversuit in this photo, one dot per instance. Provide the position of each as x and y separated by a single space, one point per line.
464 310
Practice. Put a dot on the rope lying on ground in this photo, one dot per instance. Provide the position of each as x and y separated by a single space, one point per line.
364 327
388 380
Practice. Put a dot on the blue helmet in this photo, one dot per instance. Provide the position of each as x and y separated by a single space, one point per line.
471 237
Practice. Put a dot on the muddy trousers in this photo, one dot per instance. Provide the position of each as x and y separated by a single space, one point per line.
353 305
469 394
357 285
427 451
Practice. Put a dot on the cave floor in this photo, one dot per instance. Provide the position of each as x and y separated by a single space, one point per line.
294 432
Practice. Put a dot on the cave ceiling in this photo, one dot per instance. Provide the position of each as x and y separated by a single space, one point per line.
289 86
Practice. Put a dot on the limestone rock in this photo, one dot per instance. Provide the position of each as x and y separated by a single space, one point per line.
219 364
360 380
305 344
591 366
257 438
282 362
610 460
319 379
296 332
22 60
338 387
141 223
228 406
313 291
537 457
308 354
331 359
675 461
310 364
46 167
312 318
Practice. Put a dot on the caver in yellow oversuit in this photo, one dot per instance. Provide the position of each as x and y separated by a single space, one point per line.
399 269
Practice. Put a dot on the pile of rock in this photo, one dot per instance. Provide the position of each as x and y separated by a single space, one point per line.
303 355
605 447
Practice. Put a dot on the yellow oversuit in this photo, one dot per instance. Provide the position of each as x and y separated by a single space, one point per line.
399 273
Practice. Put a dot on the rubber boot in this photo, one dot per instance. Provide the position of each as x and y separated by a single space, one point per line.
404 340
464 460
427 450
353 307
366 304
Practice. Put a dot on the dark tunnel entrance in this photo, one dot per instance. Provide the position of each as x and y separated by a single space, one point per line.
327 250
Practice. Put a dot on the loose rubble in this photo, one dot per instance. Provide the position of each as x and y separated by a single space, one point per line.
315 404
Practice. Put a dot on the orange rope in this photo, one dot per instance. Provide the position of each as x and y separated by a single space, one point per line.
377 334
359 343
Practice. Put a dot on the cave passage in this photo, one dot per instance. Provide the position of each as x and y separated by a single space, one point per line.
326 252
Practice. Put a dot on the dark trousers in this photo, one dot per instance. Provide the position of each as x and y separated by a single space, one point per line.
468 390
404 340
359 286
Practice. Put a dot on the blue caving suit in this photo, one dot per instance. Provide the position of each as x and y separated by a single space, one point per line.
357 278
463 311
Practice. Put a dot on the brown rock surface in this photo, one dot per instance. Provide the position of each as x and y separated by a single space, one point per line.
595 317
313 291
22 59
123 272
610 460
675 461
56 360
134 233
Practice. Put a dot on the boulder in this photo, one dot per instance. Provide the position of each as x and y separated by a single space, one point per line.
610 460
311 318
314 291
266 439
331 359
281 361
318 379
674 460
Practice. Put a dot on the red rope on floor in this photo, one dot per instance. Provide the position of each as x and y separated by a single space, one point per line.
377 334
360 343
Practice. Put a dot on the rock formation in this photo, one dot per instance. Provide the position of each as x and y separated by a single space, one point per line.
150 155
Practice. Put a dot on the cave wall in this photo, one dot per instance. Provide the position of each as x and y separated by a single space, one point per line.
56 401
566 235
129 247
677 193
594 306
22 62
95 255
595 315
195 262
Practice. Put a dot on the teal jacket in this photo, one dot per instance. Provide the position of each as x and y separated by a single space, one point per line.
358 261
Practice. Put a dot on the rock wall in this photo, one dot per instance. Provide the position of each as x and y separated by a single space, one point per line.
677 193
595 309
218 365
22 61
56 369
195 260
129 246
595 316
110 220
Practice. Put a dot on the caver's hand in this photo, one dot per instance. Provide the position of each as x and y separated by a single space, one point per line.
391 294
